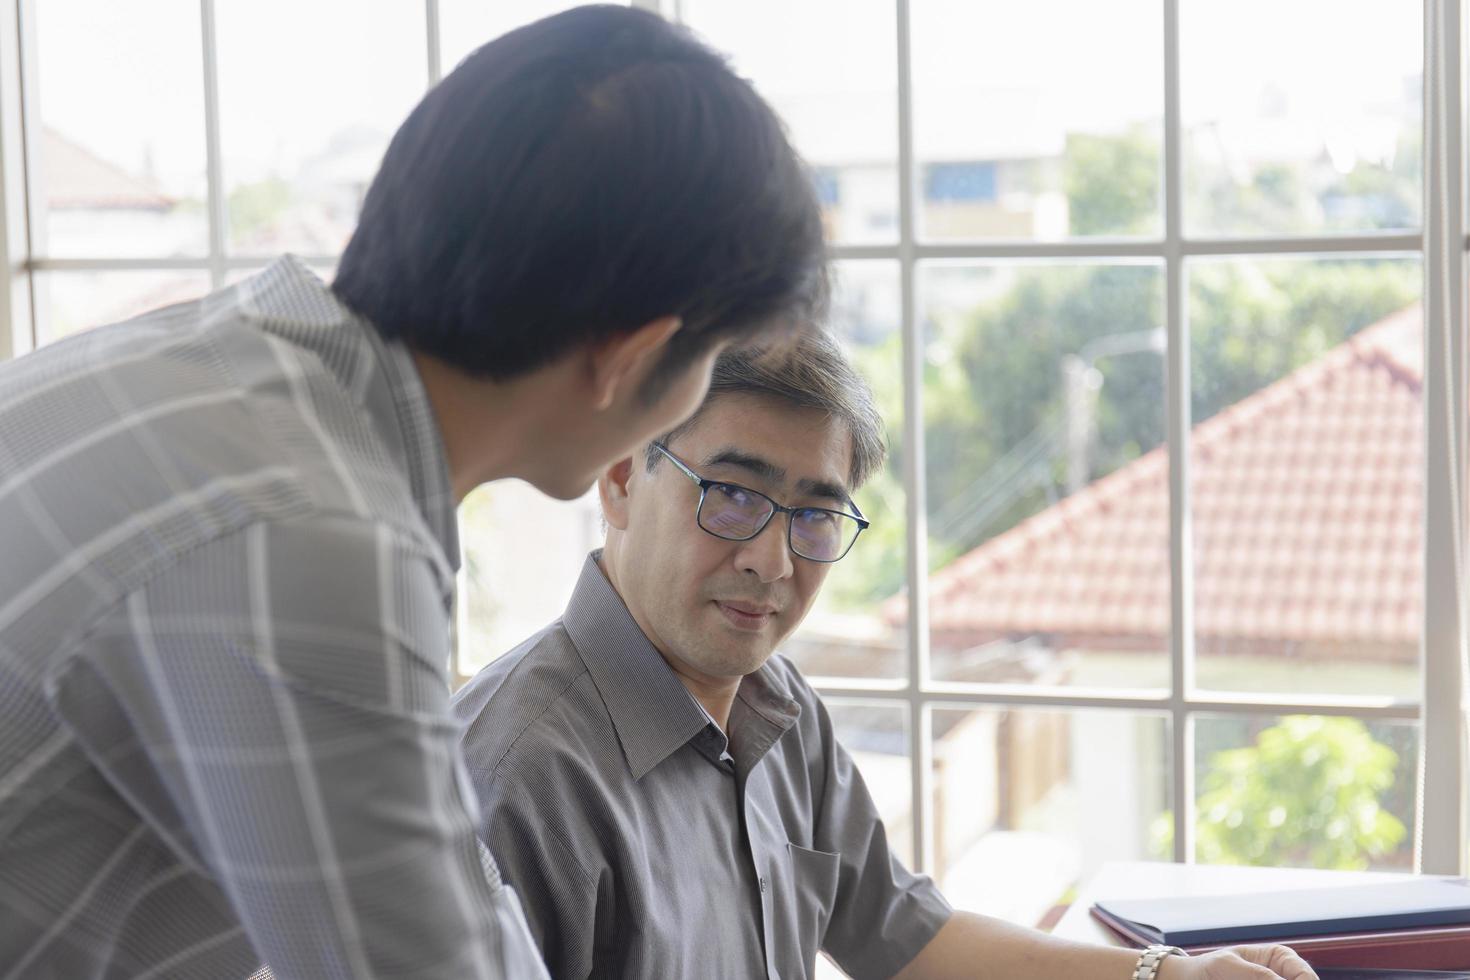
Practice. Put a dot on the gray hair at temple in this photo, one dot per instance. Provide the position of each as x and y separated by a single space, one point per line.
811 371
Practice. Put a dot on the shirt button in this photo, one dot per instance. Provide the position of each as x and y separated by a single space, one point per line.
763 886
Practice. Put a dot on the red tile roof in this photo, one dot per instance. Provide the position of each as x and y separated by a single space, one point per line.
1306 511
78 179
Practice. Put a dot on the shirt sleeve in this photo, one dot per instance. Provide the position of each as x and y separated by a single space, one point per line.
535 835
884 914
276 707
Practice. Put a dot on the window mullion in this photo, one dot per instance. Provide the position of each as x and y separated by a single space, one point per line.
214 166
1442 810
34 186
920 752
1356 245
1181 563
431 32
17 326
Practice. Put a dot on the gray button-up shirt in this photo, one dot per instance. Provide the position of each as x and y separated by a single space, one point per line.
227 542
639 853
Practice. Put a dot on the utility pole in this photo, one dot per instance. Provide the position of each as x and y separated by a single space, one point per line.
1081 382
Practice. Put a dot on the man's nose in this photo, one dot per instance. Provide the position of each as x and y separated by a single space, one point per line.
767 554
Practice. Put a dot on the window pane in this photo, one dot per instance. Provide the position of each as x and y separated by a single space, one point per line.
1279 143
875 735
305 117
1304 791
830 68
69 302
1306 462
1037 800
325 272
1047 500
464 25
856 628
522 554
121 93
1023 130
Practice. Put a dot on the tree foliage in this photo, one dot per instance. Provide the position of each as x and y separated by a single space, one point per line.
255 207
1112 183
1306 794
993 370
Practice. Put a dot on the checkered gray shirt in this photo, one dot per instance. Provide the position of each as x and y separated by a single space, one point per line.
227 551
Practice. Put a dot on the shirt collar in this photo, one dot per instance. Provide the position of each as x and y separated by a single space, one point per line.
763 711
380 374
412 416
652 711
722 741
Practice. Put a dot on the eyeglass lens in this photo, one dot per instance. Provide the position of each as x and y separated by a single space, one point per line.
733 512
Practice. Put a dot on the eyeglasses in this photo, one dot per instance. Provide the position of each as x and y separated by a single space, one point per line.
738 513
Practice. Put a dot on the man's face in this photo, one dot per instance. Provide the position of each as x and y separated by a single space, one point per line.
719 608
586 448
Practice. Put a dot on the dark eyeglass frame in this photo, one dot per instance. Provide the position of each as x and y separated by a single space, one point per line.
704 487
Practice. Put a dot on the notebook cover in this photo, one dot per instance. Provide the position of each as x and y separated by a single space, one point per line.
1200 920
1442 948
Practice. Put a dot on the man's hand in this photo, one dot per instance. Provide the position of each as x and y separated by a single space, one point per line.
977 947
1239 963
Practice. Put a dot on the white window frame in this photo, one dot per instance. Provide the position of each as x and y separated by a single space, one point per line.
1440 840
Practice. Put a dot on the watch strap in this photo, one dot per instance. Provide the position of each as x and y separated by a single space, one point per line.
1152 956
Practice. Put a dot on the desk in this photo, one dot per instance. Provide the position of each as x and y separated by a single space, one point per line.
1140 879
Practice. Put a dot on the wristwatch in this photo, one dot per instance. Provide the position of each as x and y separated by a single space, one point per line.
1148 963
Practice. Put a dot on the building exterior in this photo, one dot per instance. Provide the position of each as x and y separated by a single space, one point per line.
1306 507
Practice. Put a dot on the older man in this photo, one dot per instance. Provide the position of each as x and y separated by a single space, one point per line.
666 794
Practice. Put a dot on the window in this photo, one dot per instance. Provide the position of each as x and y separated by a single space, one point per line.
291 184
226 134
828 68
1050 96
1148 322
960 182
829 187
1149 342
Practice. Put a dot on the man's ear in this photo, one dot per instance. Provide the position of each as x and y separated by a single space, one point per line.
612 487
625 360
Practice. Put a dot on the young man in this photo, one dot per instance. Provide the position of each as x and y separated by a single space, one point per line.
665 793
228 527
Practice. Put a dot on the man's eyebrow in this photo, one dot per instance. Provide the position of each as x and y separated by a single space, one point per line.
822 488
729 456
767 470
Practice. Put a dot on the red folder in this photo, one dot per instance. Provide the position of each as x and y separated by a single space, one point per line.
1432 948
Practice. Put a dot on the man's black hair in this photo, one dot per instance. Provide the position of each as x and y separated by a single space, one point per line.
574 180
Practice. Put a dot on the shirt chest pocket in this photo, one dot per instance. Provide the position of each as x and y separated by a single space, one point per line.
811 887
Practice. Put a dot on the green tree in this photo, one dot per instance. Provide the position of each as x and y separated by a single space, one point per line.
1299 196
1380 196
1112 183
993 378
1307 793
874 569
257 205
999 383
1252 323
